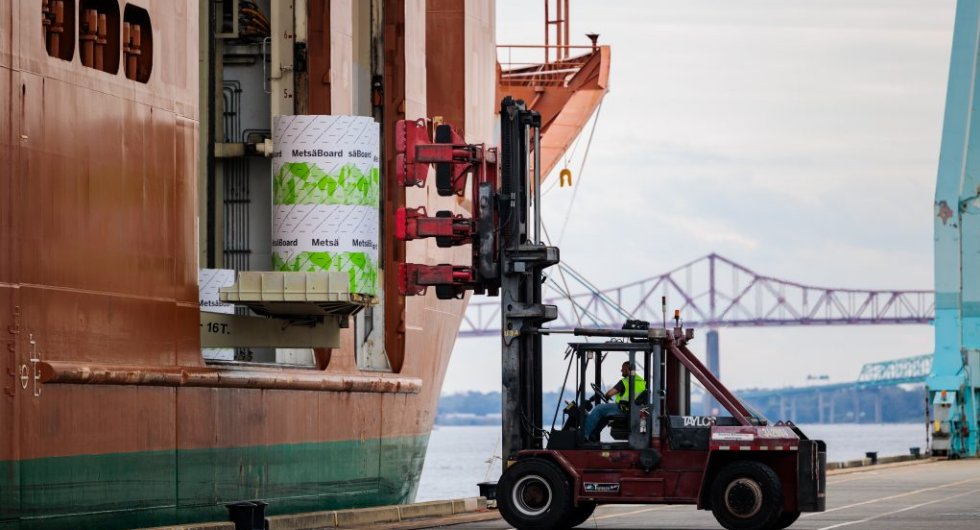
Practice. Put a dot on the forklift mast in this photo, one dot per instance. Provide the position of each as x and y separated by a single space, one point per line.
506 257
523 262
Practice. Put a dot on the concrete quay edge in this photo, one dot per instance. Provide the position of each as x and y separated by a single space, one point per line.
220 525
401 516
470 509
885 462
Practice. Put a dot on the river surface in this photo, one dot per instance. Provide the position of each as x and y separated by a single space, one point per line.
459 457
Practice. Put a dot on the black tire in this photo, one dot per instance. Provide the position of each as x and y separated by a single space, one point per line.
533 494
444 172
444 242
579 514
785 520
746 495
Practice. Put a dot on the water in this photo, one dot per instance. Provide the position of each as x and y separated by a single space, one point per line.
457 461
847 441
457 456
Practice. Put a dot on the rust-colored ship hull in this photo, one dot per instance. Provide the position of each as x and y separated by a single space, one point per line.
109 416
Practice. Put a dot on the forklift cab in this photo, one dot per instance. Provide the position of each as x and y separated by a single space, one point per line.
642 415
639 410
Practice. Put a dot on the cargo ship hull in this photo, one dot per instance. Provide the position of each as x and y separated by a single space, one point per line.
110 416
154 488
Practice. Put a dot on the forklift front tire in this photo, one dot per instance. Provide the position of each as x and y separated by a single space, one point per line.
579 514
533 494
747 495
785 520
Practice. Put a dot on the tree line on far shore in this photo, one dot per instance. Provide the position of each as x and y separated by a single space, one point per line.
899 404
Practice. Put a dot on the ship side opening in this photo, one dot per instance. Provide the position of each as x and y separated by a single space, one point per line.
58 25
98 34
319 63
137 43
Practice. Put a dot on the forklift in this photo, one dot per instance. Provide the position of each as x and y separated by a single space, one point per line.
750 473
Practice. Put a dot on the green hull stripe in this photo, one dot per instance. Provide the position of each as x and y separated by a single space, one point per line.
155 488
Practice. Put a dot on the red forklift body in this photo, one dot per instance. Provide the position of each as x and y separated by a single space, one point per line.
733 463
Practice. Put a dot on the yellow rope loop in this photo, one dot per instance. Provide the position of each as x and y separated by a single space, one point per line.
563 175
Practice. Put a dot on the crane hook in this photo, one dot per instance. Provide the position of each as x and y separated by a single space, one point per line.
563 175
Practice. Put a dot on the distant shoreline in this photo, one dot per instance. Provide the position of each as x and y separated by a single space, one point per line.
904 405
467 420
493 420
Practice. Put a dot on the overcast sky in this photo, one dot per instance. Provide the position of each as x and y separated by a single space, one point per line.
799 138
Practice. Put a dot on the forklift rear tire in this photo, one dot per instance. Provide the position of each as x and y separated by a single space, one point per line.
785 520
747 495
533 494
579 514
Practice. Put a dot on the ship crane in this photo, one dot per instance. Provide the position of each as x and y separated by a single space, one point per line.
954 384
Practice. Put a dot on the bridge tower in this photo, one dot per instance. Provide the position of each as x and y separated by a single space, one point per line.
714 365
952 383
713 355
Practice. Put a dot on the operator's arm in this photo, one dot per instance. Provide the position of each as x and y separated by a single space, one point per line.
618 389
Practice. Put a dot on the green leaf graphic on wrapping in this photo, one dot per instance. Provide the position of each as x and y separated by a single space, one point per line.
362 273
328 184
363 186
299 169
279 185
285 264
290 195
354 287
317 182
301 183
368 278
357 259
321 260
342 177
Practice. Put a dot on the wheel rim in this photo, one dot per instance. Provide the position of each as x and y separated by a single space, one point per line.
531 495
743 498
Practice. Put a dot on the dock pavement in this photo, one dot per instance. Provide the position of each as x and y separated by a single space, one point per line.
940 495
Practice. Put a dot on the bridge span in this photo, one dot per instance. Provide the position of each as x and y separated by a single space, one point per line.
715 292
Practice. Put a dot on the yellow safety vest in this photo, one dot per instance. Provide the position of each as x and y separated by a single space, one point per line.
639 385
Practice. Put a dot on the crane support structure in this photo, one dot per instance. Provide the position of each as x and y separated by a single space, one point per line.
952 383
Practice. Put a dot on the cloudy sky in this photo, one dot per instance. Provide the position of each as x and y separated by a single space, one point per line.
799 138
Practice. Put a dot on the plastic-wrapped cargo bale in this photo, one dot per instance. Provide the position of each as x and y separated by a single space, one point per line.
325 197
209 281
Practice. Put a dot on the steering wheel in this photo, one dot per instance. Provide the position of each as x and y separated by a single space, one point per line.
598 392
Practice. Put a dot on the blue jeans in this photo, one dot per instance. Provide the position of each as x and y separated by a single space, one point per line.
599 413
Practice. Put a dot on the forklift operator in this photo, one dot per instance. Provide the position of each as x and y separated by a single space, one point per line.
595 420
